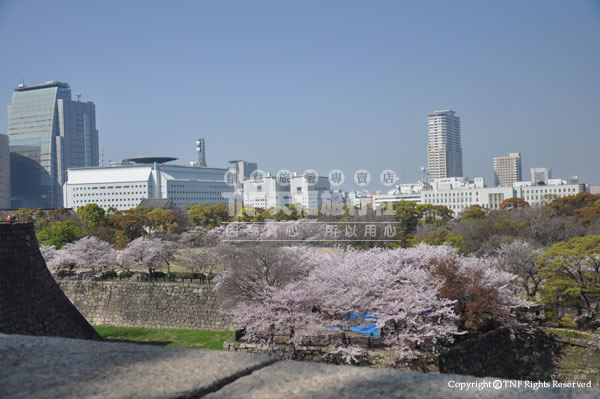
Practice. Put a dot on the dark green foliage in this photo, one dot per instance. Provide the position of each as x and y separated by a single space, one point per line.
60 233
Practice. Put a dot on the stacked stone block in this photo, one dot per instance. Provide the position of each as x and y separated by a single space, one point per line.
31 303
147 304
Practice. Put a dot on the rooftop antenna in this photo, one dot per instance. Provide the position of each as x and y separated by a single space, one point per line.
78 96
201 151
102 157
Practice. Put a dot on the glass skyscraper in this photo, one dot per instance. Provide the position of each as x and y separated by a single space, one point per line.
48 133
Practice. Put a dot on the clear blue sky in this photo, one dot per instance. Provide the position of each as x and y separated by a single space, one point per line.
322 84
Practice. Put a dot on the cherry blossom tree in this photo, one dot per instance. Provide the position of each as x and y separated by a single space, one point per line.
400 290
199 260
520 258
56 259
140 254
90 252
166 251
249 271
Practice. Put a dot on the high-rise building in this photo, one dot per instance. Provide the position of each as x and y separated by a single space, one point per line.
540 176
507 169
444 151
242 169
4 172
48 133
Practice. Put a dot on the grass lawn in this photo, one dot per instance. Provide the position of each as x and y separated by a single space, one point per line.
204 339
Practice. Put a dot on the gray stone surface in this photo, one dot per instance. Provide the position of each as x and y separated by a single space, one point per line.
44 367
30 300
47 367
150 305
290 379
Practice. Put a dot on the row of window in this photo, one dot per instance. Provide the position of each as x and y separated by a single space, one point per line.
457 194
108 187
98 194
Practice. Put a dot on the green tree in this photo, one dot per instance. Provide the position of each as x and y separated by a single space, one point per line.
130 222
473 212
208 216
161 220
439 236
438 215
589 213
408 214
566 206
572 272
91 215
60 233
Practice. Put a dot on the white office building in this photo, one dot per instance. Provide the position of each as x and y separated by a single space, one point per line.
402 192
444 151
309 193
554 188
459 194
458 199
507 169
265 192
125 186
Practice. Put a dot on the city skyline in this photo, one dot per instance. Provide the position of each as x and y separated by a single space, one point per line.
353 92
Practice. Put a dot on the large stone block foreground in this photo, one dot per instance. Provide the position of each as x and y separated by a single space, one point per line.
49 367
30 300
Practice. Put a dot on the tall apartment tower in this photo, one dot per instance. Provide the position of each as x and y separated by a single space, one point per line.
48 133
507 169
4 172
444 152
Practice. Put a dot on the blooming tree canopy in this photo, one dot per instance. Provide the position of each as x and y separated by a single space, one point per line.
140 254
520 258
402 290
88 252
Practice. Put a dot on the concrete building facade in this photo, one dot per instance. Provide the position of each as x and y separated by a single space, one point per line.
49 133
124 187
310 194
402 192
266 193
444 150
460 194
4 172
507 169
540 175
242 170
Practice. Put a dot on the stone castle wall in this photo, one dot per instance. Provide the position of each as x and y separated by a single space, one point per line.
517 353
149 305
31 303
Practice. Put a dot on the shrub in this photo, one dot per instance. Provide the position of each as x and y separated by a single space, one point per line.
65 273
566 322
109 274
